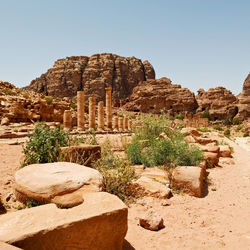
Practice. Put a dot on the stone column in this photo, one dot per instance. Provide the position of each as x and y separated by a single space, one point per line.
108 108
92 102
67 120
130 125
116 123
125 126
101 115
120 124
80 110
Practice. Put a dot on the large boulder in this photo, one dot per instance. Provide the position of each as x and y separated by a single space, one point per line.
219 101
93 74
99 223
62 183
188 179
156 95
244 100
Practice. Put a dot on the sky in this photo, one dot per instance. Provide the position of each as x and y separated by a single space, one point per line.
195 43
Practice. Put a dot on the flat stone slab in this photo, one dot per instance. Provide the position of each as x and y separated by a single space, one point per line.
99 223
62 183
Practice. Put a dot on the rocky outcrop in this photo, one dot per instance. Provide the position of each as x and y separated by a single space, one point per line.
244 100
93 74
219 102
156 95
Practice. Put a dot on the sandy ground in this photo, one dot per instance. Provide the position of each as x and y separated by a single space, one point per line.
219 220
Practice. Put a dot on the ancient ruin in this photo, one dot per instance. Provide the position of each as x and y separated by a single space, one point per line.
80 110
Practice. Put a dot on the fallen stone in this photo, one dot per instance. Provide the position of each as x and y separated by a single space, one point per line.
212 158
82 154
62 183
225 151
5 246
188 179
151 220
204 140
99 223
153 188
190 131
226 161
210 148
157 174
5 121
190 139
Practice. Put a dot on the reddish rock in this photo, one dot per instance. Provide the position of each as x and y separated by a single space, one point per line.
225 151
93 74
219 101
244 100
212 158
156 95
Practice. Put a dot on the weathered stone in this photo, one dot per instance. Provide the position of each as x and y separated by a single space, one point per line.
101 115
156 95
92 103
210 148
62 183
67 120
153 188
244 100
190 131
82 154
5 121
5 246
99 223
225 151
157 174
212 158
188 179
226 161
80 110
151 220
109 107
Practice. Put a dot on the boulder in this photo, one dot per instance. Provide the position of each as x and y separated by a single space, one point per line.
6 246
210 148
151 220
190 131
225 151
212 158
99 223
157 174
5 121
82 154
62 183
188 179
244 100
153 188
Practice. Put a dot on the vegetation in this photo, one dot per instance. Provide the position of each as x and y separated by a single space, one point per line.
169 151
227 133
203 130
246 134
73 105
43 146
206 114
236 121
239 128
218 127
180 117
118 175
48 99
6 91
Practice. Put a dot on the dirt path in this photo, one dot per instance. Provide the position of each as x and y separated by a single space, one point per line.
220 220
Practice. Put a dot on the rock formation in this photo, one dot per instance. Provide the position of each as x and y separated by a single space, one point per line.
93 74
244 100
156 95
219 101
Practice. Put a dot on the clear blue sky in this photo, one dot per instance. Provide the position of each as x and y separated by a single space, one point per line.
196 43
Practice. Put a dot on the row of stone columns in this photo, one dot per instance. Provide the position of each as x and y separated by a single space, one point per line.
120 124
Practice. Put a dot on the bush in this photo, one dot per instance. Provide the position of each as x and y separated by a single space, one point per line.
228 121
227 133
239 128
203 130
218 127
206 114
180 117
44 145
117 173
134 151
236 121
48 99
246 134
73 105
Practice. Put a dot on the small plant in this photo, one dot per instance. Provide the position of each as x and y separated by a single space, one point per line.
76 140
32 203
73 105
246 134
134 152
91 139
227 133
206 114
203 130
48 99
218 127
180 117
236 121
6 91
44 145
239 128
228 121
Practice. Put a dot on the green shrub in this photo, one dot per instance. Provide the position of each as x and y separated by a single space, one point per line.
180 117
228 121
239 128
203 130
236 121
73 105
117 173
76 140
246 134
134 151
218 127
206 114
43 146
227 133
48 99
6 91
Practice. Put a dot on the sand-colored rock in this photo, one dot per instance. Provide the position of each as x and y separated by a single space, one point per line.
62 183
156 95
157 174
210 148
153 188
190 131
188 179
5 246
99 223
225 151
82 154
211 158
244 100
151 220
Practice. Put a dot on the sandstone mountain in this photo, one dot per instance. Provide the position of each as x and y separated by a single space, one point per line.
244 100
219 101
93 74
156 95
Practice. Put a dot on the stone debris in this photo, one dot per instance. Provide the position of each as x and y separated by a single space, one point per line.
151 220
